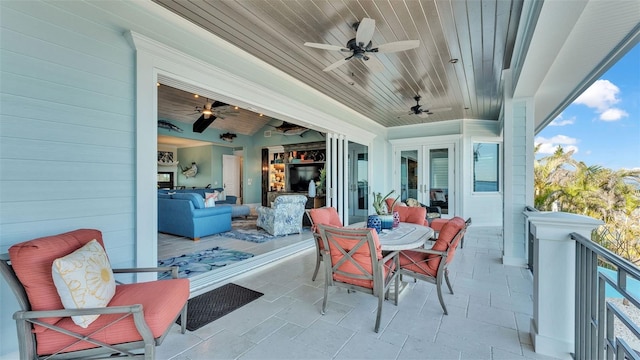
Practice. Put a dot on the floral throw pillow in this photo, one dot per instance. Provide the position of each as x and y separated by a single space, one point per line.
84 279
210 199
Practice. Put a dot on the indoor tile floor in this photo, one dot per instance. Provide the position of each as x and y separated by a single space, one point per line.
488 317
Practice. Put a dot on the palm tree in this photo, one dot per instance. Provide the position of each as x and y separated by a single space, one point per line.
612 196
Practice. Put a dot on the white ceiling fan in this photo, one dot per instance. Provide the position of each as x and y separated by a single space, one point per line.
360 47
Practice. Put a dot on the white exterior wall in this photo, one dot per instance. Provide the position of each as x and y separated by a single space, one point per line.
485 209
518 177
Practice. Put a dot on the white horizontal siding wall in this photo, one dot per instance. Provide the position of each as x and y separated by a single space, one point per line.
66 133
485 209
518 175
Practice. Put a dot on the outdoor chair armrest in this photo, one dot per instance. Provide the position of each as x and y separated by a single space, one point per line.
125 309
429 251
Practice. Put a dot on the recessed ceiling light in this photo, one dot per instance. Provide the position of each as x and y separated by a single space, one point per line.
453 61
196 96
157 84
260 114
235 108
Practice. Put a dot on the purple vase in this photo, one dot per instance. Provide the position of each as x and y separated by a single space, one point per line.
396 219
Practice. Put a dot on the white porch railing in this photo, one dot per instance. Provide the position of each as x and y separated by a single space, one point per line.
572 315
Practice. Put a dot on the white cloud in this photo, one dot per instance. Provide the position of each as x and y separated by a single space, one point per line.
549 146
601 96
561 121
613 114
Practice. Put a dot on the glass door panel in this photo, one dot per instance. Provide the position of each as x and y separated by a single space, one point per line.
409 174
358 182
426 173
439 178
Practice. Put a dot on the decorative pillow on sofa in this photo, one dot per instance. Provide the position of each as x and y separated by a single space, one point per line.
84 279
210 199
221 195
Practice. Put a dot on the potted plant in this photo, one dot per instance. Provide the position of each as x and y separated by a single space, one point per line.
380 206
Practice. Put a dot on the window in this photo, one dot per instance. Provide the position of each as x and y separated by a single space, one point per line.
165 180
486 167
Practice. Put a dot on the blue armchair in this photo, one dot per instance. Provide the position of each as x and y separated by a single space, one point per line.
285 217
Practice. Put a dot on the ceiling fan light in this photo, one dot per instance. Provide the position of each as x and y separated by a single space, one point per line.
207 112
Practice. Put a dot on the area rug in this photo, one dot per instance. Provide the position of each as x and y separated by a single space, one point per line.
246 229
217 303
202 261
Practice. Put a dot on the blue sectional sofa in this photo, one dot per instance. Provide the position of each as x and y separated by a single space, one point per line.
184 214
237 210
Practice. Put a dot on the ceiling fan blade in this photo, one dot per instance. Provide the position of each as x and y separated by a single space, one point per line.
217 104
326 46
336 64
424 114
373 64
365 31
442 109
397 46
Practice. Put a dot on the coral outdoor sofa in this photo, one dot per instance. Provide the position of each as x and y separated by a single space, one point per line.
100 315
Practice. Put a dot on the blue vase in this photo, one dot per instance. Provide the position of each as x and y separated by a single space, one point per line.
386 221
374 222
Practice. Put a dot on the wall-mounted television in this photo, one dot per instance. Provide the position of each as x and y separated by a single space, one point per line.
300 175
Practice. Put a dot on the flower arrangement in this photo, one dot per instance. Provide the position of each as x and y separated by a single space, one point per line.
380 205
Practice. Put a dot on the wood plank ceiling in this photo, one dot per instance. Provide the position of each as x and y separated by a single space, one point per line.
478 34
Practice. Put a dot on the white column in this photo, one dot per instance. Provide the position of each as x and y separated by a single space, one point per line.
553 324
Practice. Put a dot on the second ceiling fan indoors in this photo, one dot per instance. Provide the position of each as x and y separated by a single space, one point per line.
360 47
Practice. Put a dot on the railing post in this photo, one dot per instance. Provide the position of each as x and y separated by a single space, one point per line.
553 324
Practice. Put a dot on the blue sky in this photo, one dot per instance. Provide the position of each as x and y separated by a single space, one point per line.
602 124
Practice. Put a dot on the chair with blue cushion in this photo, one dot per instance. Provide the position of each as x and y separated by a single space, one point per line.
284 217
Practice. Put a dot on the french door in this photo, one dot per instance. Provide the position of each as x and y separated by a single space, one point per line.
358 182
426 173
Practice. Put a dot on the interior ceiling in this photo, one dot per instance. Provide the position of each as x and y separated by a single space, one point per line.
175 104
479 34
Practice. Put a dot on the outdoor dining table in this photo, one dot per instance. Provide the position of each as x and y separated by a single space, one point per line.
405 237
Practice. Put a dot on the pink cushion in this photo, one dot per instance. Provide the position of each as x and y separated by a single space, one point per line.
437 224
414 215
362 256
325 216
32 261
448 232
159 313
428 263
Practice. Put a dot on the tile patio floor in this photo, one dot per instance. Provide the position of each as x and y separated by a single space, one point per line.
488 317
